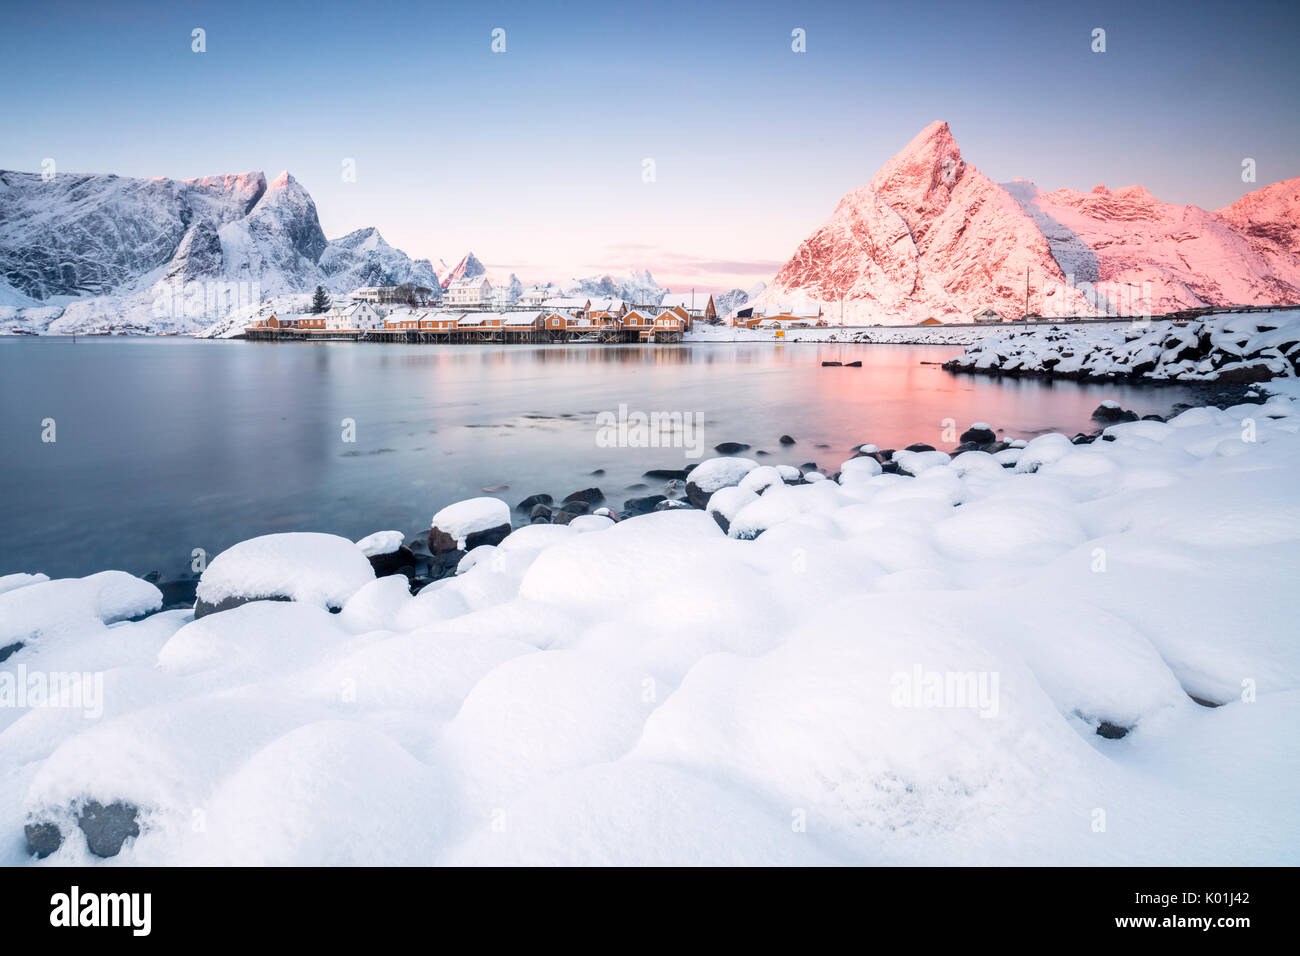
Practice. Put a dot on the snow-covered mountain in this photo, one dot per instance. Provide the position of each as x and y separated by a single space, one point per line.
363 258
87 235
727 302
468 267
94 252
637 287
932 237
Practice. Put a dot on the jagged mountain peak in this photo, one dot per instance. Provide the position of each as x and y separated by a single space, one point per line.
931 161
930 236
468 267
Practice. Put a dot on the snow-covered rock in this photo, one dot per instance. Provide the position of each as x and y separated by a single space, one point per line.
467 524
713 474
318 569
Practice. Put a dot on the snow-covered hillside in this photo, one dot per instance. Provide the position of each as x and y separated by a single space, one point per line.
100 252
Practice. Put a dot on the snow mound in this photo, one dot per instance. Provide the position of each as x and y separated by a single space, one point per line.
381 542
320 569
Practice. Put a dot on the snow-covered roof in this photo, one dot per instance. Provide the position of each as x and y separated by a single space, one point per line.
567 302
473 282
607 305
519 318
473 319
441 317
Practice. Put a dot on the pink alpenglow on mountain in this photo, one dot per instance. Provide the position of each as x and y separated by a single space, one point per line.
931 237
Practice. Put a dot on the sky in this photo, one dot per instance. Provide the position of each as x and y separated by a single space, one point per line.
689 139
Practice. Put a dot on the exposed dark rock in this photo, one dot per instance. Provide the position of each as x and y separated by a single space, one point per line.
980 436
787 440
42 839
10 649
107 827
440 542
855 364
540 514
175 594
1244 374
1111 731
697 497
592 497
641 506
730 448
598 473
528 503
808 466
202 608
831 364
665 473
1105 413
920 446
390 562
444 565
562 517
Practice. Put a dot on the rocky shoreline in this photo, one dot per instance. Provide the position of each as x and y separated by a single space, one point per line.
436 553
1231 349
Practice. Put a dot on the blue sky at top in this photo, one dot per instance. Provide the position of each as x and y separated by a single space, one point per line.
533 158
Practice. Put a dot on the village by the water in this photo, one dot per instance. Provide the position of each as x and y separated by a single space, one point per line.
470 310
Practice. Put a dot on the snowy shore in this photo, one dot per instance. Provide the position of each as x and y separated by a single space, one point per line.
863 335
1042 652
1233 348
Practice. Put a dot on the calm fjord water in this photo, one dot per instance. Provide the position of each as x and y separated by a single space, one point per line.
168 444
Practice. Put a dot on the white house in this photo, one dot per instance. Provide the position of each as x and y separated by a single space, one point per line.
359 315
535 296
474 293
